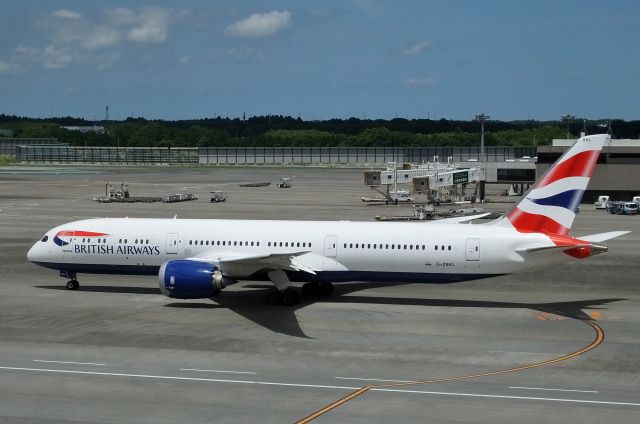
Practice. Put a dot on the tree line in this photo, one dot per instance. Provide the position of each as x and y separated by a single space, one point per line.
276 130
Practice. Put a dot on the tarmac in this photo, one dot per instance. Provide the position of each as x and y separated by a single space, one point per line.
560 345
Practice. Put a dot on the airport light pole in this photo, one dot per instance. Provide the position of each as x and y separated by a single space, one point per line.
480 193
568 119
481 118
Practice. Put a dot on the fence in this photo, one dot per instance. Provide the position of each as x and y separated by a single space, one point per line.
8 144
351 156
108 155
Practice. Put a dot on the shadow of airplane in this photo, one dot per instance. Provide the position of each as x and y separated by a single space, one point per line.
251 305
108 289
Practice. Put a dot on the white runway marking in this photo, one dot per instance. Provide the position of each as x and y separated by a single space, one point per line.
320 386
595 402
373 379
224 371
553 390
69 362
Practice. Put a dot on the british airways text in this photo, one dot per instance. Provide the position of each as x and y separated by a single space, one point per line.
113 250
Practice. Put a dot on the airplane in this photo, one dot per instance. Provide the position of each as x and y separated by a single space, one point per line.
197 258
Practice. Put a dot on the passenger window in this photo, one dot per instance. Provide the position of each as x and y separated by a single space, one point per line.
309 244
449 247
386 246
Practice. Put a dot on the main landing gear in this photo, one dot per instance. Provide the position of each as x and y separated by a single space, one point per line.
290 297
287 297
73 283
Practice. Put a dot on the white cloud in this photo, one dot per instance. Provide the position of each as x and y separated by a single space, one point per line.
122 15
56 58
101 37
152 26
99 43
67 14
416 48
414 82
183 60
259 25
50 57
240 52
26 51
4 66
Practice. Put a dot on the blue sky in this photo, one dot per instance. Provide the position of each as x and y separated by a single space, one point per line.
318 60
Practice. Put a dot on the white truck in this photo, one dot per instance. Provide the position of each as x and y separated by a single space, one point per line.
602 202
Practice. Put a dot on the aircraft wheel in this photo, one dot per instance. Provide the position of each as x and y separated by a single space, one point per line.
274 298
326 289
310 289
290 298
73 285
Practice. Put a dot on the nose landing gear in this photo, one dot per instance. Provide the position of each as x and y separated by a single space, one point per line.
73 283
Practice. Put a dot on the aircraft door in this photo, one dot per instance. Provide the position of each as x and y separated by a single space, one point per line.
331 246
171 246
472 249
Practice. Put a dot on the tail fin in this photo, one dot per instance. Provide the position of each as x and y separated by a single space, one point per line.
551 204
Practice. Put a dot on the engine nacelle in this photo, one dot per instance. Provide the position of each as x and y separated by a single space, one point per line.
187 279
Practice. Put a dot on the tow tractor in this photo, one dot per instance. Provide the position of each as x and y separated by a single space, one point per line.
284 183
217 196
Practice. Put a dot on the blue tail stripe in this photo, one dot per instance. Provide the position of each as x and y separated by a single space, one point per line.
568 199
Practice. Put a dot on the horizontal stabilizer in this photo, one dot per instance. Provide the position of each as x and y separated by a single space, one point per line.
459 219
545 248
597 238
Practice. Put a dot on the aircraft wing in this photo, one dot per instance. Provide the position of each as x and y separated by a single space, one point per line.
287 261
460 219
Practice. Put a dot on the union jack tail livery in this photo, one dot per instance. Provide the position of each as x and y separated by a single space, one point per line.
551 205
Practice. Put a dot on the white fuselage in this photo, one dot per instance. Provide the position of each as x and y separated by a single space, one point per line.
336 250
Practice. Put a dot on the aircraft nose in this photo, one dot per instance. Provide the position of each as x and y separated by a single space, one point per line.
32 254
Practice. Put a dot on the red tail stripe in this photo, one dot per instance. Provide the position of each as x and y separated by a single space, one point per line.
526 222
580 165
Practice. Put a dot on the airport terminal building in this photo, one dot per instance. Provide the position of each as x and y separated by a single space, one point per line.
617 173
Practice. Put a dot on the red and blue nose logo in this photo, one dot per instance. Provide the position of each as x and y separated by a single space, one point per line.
61 238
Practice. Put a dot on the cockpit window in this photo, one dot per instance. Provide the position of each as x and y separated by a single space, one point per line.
45 238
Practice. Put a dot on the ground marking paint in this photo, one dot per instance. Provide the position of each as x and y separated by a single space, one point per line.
69 362
230 372
373 379
599 338
553 390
